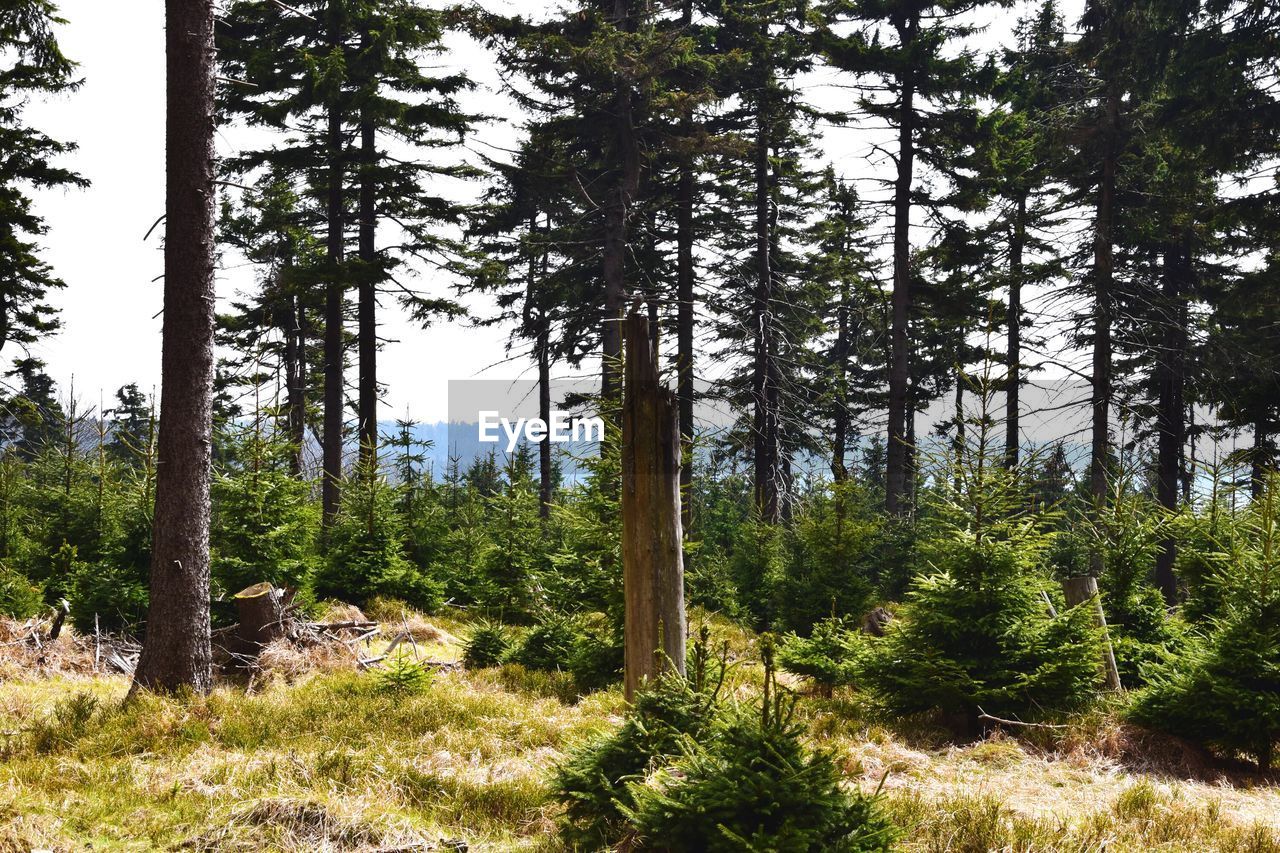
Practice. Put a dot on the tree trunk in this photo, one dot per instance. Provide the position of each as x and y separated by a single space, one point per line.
176 652
296 380
1103 274
1083 589
262 610
331 475
1013 351
840 367
1170 380
1262 459
684 331
536 316
685 235
764 422
368 299
652 560
619 211
896 486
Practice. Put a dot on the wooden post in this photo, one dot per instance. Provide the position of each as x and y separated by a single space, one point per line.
652 559
1078 591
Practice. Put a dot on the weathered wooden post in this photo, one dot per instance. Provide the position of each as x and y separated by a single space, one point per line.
1079 590
652 558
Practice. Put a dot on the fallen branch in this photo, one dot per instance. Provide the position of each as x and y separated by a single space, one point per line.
983 715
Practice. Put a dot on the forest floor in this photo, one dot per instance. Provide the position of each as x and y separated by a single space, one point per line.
313 755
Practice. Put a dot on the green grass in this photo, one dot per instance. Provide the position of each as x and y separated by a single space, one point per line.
338 761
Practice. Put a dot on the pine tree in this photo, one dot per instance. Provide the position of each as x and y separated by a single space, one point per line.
1225 691
32 66
333 78
177 653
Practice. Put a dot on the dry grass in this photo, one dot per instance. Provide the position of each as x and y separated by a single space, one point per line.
318 756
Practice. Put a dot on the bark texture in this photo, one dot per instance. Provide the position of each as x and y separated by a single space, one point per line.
176 651
652 548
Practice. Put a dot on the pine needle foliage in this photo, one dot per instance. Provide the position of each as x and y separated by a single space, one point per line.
754 786
1224 692
829 656
976 632
487 646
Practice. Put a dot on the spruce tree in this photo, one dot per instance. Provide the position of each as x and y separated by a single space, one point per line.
31 65
912 47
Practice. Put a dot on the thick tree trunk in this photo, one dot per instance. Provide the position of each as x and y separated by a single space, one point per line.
1084 589
1103 274
176 652
652 557
1170 380
331 475
1013 350
896 485
368 307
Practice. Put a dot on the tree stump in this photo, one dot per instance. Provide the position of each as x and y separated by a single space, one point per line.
263 616
1083 589
652 554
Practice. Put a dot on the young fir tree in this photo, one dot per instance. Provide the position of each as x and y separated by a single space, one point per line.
264 523
31 65
1225 691
750 782
975 635
366 550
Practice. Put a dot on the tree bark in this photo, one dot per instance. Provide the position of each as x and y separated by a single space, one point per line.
331 466
1083 589
1262 459
536 315
840 365
262 611
176 652
684 330
896 486
1013 350
652 555
368 298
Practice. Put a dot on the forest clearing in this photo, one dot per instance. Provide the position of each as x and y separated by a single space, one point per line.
688 426
317 754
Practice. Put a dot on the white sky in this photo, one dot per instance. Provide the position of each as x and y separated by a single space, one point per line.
111 331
